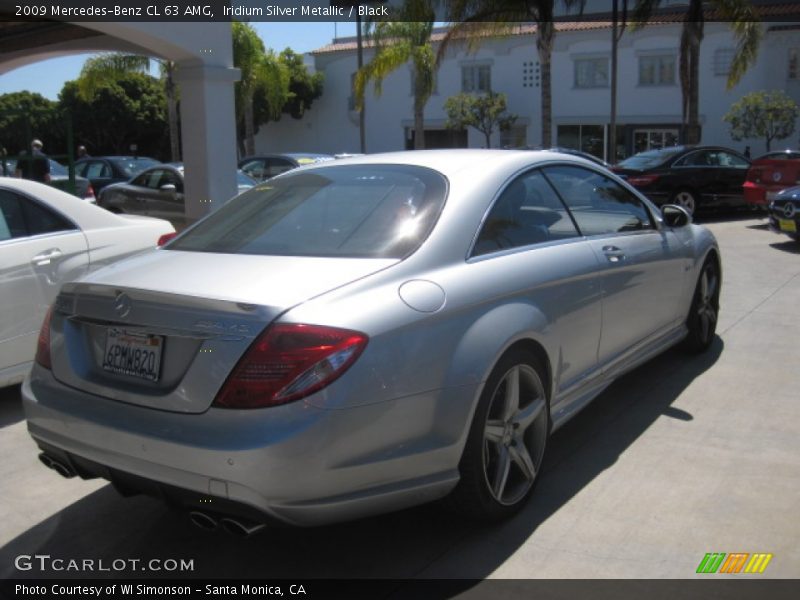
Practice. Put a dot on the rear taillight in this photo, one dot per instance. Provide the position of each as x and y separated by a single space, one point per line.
165 238
640 180
43 343
89 195
288 362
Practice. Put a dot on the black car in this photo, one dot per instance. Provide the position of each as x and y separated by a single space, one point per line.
103 170
266 166
784 213
693 177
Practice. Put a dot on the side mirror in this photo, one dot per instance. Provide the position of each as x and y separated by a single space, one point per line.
675 216
168 187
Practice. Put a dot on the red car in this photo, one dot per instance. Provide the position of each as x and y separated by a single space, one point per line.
769 174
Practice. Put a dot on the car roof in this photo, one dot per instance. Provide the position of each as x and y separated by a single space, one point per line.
453 162
85 214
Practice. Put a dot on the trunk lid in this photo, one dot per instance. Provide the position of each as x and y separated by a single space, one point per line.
192 313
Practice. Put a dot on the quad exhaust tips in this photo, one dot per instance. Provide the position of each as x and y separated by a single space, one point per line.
237 527
59 467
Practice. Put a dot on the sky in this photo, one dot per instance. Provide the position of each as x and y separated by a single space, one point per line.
48 77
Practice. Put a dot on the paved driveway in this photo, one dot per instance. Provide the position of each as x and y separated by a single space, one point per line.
680 458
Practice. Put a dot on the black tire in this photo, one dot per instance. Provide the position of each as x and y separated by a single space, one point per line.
497 434
704 311
686 199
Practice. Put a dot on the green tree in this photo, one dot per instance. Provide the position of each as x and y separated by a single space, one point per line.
768 115
128 110
486 113
743 20
261 72
475 21
103 68
26 115
397 43
304 87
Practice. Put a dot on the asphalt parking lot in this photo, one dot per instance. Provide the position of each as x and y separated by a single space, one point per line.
682 457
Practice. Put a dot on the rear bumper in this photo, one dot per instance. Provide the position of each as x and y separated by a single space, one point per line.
296 464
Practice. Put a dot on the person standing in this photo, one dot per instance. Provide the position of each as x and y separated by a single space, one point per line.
82 153
34 165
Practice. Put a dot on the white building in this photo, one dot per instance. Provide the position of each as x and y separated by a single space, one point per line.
648 105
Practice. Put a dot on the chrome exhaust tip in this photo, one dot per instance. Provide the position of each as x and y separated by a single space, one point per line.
240 528
62 469
203 520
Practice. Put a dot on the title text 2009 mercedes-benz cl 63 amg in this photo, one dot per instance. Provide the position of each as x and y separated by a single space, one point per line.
364 335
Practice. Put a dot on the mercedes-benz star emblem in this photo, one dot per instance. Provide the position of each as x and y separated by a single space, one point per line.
788 210
122 305
776 176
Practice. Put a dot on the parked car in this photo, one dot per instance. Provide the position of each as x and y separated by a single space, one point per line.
769 174
784 212
693 177
104 170
156 192
59 178
364 335
48 237
267 166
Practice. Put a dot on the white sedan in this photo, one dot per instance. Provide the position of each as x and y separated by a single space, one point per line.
48 237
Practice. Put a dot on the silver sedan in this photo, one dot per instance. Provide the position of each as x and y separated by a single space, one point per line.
369 334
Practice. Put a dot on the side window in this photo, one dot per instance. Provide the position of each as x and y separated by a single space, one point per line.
12 223
731 160
527 212
94 170
278 166
696 159
153 179
598 204
81 168
142 179
255 169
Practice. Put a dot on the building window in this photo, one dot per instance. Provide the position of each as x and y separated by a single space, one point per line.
794 64
591 73
657 70
515 136
476 78
723 59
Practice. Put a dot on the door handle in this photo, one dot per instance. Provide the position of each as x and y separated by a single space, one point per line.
613 253
46 257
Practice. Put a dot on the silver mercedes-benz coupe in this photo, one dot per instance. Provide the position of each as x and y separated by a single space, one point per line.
364 335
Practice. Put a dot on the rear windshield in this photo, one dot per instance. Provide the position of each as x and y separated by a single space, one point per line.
649 159
364 211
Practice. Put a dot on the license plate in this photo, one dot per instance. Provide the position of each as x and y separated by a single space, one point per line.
137 355
787 225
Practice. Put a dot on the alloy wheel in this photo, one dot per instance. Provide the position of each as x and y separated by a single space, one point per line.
515 435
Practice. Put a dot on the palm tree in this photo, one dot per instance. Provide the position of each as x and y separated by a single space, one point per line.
747 31
474 21
261 71
100 69
396 43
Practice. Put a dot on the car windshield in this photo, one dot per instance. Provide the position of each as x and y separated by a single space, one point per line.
360 211
132 166
650 158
